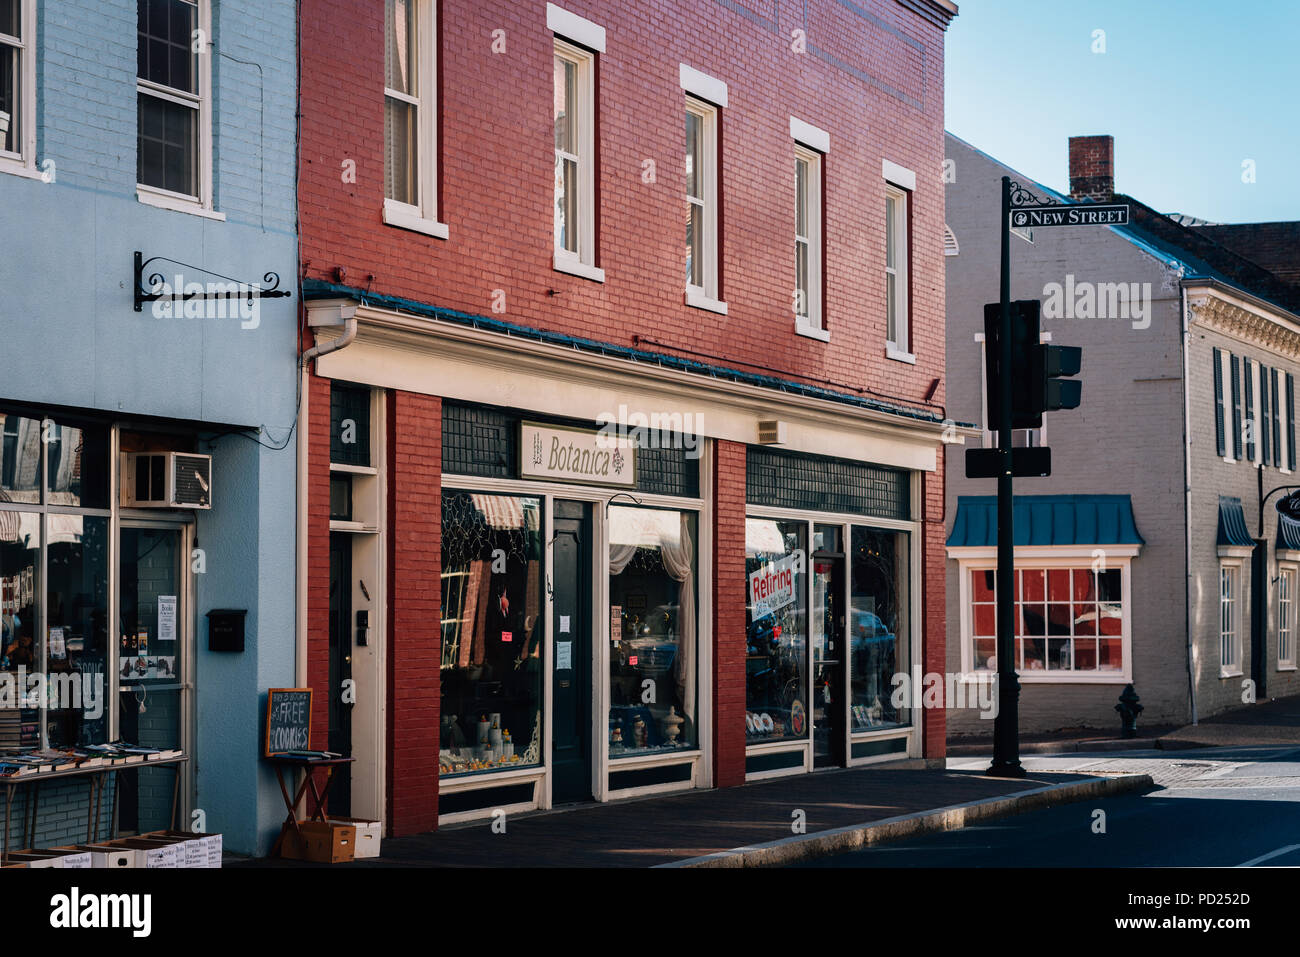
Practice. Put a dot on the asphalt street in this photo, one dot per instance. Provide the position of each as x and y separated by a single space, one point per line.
1217 807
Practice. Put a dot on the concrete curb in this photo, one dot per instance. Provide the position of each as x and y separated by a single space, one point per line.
855 836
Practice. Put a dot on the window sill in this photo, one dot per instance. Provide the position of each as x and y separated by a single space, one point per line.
812 332
176 204
15 167
575 268
1230 674
1282 667
408 217
698 300
893 352
1036 677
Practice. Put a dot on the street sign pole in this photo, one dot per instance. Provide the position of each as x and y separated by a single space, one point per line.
1006 730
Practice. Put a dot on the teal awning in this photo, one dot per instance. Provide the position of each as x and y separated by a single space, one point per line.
1047 520
1232 523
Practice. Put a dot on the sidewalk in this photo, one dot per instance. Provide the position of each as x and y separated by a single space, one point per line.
740 826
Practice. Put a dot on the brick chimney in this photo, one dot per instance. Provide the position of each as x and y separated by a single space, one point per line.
1092 168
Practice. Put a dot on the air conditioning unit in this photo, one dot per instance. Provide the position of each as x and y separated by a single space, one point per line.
166 480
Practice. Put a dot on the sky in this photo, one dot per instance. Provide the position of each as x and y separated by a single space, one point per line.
1190 89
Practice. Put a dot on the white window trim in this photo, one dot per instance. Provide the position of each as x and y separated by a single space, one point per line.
573 27
901 272
422 217
1283 444
582 263
1225 379
706 296
202 203
1293 570
971 558
814 325
23 162
1233 670
809 136
702 85
900 176
1253 368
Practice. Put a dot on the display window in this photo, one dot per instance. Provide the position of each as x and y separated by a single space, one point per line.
776 630
653 630
492 632
879 626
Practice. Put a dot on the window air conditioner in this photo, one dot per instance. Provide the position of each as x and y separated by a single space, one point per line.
166 480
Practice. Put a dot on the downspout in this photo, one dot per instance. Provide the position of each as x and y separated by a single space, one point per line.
1187 501
349 315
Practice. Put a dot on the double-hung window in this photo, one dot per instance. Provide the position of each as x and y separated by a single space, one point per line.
1229 611
575 181
810 148
702 206
174 102
18 86
1286 612
899 184
410 133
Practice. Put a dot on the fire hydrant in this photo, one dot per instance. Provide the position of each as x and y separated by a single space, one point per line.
1128 709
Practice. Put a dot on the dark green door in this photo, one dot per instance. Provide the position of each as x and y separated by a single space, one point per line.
571 653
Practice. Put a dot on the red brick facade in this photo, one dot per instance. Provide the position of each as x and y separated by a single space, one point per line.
870 74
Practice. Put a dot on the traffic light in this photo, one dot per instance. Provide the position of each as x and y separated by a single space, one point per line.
1039 372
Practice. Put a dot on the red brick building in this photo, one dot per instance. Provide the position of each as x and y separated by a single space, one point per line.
622 467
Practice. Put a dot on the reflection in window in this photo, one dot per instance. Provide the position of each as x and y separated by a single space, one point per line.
776 617
76 616
20 544
20 459
880 636
491 632
653 622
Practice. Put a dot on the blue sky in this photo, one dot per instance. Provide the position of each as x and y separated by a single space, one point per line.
1188 89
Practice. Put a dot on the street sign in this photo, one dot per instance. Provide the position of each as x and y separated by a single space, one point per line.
1090 214
1025 462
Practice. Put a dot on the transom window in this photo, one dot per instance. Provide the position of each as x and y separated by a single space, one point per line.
171 97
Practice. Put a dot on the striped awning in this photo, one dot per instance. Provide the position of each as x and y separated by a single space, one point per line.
505 512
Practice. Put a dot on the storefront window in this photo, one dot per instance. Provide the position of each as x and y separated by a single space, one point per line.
776 623
1067 619
879 627
20 459
20 555
652 597
492 632
76 614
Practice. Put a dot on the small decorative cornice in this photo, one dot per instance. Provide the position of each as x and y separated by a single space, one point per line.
1273 333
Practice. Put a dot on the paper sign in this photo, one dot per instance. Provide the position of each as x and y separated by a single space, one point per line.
564 625
166 617
58 648
564 656
633 659
615 623
507 636
772 586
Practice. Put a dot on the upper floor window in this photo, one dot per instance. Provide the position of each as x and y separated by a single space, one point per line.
18 85
410 133
173 102
701 201
896 311
807 240
575 145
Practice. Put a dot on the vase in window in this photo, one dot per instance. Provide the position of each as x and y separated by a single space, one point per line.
671 723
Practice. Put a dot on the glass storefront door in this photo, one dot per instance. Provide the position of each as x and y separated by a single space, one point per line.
827 623
571 715
152 613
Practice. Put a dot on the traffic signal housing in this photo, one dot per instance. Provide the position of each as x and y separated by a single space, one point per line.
1040 372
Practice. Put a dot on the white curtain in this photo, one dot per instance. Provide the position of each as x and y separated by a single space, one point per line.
670 532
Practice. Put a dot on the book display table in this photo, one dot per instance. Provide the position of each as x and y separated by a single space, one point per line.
316 807
95 778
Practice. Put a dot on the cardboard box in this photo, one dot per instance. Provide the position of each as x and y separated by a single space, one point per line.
72 857
33 858
190 850
152 854
321 842
108 856
369 836
212 842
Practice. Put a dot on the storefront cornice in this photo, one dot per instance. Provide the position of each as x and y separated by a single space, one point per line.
457 360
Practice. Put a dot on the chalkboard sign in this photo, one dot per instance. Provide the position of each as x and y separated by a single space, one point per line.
288 720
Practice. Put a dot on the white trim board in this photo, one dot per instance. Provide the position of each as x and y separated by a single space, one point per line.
702 85
809 135
575 28
898 175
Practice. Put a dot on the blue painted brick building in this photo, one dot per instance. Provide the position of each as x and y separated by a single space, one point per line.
164 127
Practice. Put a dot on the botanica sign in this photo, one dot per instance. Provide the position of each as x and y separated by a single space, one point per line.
560 454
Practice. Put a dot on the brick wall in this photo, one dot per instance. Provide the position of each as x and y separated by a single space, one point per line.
414 600
872 77
728 494
933 608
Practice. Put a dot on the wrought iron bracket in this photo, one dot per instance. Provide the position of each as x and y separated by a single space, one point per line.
228 288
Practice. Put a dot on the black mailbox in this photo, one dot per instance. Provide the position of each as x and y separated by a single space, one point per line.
226 629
